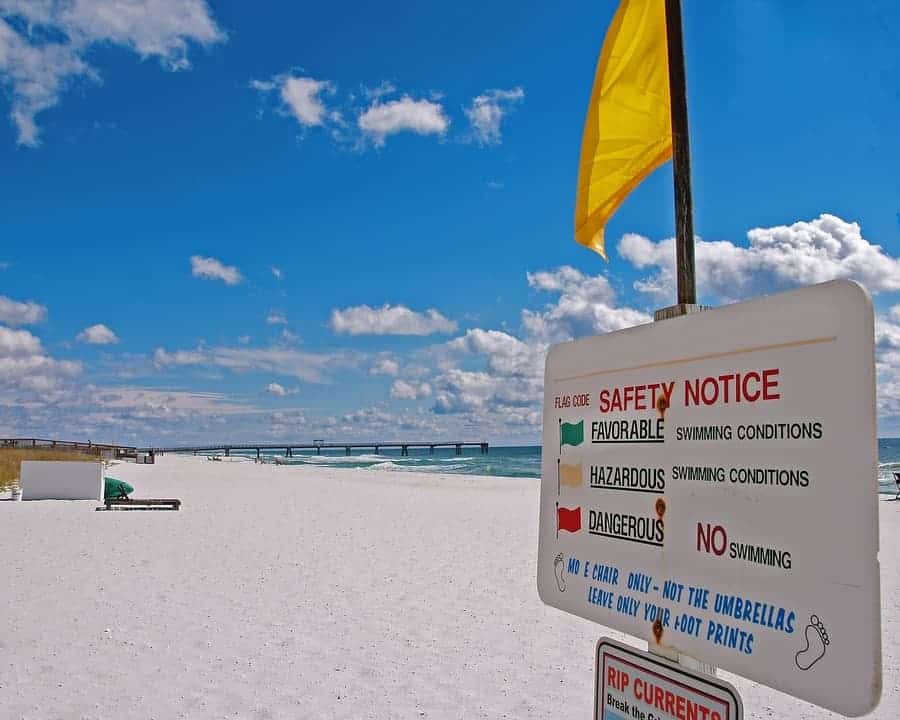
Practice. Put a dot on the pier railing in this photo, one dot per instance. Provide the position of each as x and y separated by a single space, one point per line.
89 446
318 447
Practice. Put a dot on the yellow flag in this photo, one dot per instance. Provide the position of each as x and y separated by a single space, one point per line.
570 475
628 129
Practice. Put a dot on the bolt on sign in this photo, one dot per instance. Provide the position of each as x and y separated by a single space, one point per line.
635 685
709 484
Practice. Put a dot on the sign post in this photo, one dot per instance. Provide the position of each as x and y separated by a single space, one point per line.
709 485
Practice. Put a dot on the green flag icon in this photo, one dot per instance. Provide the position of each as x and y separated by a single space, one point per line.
571 433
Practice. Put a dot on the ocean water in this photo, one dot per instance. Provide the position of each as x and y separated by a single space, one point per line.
523 462
888 464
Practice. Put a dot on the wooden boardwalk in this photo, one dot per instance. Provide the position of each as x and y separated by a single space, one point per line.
45 444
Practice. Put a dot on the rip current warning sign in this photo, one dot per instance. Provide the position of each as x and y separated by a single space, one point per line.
635 685
709 484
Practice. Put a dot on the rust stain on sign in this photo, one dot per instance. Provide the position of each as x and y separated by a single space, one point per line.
658 630
662 404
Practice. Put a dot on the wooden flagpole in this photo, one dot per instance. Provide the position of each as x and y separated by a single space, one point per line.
681 162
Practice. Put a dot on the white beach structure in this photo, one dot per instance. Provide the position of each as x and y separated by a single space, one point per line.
61 480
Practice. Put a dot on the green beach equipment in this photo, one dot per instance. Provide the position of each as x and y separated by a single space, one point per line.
113 489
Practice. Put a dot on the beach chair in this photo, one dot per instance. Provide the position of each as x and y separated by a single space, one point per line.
117 495
142 504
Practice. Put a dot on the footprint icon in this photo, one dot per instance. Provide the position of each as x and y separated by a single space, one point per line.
559 569
816 643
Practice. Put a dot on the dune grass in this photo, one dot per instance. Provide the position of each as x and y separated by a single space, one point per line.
11 460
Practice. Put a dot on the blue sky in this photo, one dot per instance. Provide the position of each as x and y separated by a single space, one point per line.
409 171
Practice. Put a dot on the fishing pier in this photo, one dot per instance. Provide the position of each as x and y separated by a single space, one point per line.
289 448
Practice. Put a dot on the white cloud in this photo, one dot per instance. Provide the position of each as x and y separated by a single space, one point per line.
510 382
422 117
386 87
586 307
506 355
388 320
285 361
21 313
278 390
44 45
277 273
492 379
176 417
37 373
213 269
276 318
97 334
18 342
887 363
385 366
301 97
165 404
487 111
887 337
315 103
374 422
162 358
24 366
402 390
776 258
287 422
461 391
124 414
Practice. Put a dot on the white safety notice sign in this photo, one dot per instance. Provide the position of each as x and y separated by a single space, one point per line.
635 685
709 484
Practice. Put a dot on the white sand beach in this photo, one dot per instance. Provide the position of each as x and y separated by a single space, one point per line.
308 592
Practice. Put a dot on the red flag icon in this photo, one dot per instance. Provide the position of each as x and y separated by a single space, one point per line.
567 519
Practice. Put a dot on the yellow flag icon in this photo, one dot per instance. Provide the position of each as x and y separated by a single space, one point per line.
570 475
628 129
